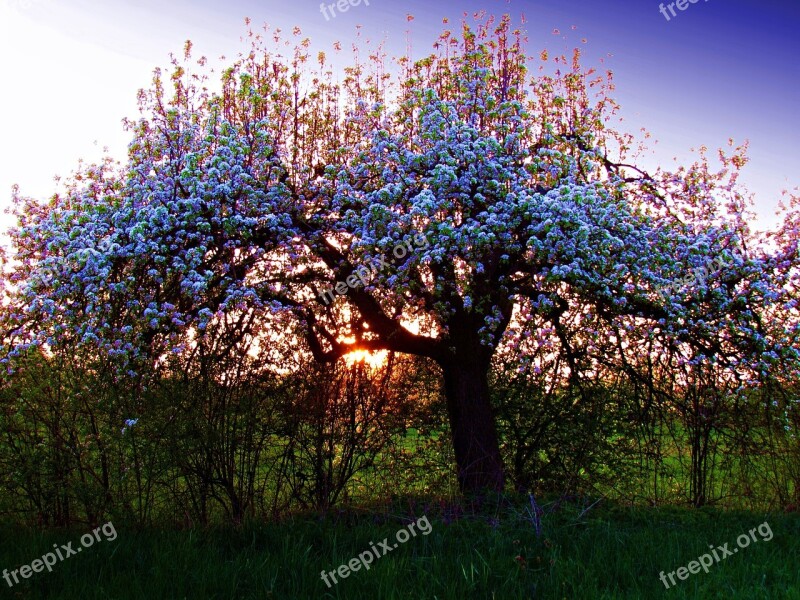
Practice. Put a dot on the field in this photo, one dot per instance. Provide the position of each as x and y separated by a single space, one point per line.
492 551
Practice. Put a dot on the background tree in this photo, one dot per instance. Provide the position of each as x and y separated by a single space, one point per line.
257 199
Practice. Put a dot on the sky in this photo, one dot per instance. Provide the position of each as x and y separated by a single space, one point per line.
720 69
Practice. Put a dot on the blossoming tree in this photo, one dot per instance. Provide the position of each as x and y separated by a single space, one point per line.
255 199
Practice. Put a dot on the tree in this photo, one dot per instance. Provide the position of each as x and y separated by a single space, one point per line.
442 204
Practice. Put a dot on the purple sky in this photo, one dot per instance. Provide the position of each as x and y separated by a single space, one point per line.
718 69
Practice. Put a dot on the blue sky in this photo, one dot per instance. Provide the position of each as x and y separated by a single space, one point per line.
719 69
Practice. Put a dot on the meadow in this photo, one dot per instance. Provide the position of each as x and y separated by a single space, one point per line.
495 549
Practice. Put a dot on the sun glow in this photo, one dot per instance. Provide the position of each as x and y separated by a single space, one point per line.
373 359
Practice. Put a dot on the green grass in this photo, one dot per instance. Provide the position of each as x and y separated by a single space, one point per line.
610 552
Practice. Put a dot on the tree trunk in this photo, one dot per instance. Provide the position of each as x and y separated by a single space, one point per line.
480 467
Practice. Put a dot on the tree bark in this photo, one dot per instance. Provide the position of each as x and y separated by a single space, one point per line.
480 467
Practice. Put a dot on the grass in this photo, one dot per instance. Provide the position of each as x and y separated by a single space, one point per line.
608 552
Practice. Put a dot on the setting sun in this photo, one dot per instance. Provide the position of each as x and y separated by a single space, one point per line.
374 359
